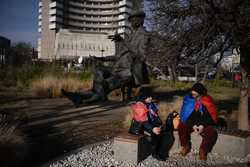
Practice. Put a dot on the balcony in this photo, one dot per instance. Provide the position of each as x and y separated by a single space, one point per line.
52 11
101 5
95 12
92 19
40 4
55 4
123 3
102 13
40 10
39 29
104 6
40 17
124 9
55 12
55 19
52 26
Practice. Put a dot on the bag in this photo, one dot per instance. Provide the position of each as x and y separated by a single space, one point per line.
136 127
172 121
157 121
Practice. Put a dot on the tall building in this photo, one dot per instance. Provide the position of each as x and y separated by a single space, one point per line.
71 28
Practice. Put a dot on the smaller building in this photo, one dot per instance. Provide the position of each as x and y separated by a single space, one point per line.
230 61
4 50
72 44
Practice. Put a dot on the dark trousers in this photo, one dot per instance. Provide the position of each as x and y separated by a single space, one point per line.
209 137
105 81
162 143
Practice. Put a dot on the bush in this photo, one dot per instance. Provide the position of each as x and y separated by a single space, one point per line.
23 76
50 86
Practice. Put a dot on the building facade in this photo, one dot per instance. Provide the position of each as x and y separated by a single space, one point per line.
4 51
93 17
71 44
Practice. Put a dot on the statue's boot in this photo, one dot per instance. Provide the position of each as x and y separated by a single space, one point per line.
94 98
75 98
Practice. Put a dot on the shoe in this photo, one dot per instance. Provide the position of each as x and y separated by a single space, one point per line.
185 150
73 97
159 158
202 155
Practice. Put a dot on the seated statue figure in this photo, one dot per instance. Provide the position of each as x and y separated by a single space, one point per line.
129 65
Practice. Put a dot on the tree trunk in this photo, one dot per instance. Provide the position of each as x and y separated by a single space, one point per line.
243 106
173 71
205 75
196 71
243 122
170 73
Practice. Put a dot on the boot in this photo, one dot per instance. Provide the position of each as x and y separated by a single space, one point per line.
202 155
75 98
95 98
185 150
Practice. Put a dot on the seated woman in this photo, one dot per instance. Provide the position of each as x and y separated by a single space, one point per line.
198 114
146 118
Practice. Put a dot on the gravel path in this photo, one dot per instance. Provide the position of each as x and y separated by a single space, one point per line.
101 155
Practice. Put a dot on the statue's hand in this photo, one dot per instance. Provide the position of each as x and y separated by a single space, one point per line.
117 38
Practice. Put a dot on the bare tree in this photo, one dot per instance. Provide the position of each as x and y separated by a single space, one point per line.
197 29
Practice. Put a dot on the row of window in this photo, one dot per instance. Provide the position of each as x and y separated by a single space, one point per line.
94 23
114 13
104 21
81 46
95 29
90 9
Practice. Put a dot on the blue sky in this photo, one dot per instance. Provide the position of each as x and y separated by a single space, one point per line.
18 20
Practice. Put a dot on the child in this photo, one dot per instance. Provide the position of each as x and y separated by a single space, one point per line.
146 118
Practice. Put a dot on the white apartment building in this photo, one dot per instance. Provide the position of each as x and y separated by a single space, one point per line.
83 24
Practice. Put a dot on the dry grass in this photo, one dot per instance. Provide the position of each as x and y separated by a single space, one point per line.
164 109
128 118
167 107
50 86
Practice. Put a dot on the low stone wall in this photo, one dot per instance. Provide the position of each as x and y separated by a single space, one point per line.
236 144
133 149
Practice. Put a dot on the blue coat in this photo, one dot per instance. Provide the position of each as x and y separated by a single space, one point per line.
187 108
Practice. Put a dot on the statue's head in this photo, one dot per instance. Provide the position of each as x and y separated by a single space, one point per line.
136 19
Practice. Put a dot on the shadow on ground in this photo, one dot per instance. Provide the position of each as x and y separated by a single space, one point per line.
59 131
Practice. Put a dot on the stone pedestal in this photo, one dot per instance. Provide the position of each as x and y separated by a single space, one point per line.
130 148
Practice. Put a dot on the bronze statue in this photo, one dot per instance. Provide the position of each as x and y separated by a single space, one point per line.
129 65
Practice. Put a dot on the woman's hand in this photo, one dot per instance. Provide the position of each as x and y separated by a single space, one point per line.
195 128
157 130
200 129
